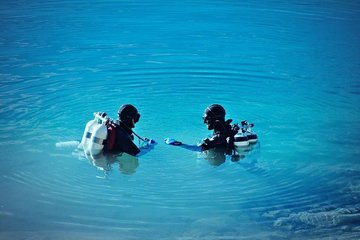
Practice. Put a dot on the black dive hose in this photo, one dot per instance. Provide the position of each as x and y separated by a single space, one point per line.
140 138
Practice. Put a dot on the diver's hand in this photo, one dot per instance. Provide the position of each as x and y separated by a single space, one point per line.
147 143
150 141
171 141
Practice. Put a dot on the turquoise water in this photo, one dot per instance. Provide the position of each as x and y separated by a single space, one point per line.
291 68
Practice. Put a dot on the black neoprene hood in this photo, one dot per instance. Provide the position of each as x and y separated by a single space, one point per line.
127 111
215 111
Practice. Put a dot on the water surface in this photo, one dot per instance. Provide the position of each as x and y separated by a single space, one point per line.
290 68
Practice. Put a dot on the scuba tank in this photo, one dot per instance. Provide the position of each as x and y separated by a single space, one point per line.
240 139
85 141
244 135
95 134
247 129
243 139
98 138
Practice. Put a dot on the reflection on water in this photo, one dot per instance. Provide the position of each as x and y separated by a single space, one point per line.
215 156
218 156
126 163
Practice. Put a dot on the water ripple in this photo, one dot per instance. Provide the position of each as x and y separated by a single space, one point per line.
291 68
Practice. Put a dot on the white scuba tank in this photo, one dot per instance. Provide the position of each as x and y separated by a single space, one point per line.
252 137
85 141
94 135
240 140
98 137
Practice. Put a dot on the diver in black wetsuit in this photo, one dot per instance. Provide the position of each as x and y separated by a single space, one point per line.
128 117
221 143
223 135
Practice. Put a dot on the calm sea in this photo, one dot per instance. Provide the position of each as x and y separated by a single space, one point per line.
290 67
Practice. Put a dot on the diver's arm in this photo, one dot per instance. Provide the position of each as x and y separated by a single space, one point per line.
125 144
129 147
194 148
171 141
132 149
214 141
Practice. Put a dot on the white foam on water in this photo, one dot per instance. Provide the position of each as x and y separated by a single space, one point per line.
67 144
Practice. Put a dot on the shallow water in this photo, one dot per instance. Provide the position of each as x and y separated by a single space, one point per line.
290 68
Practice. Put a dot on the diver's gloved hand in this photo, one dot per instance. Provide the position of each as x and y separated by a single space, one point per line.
147 143
171 141
150 141
204 145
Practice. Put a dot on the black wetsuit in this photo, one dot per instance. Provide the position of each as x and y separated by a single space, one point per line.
222 137
124 139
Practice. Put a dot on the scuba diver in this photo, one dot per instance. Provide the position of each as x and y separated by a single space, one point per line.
221 142
227 139
223 135
102 135
106 141
222 138
128 117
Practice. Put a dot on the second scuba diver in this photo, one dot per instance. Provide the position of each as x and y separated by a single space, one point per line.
223 133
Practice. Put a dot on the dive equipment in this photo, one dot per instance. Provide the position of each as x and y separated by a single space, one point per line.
247 129
95 134
244 135
100 135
